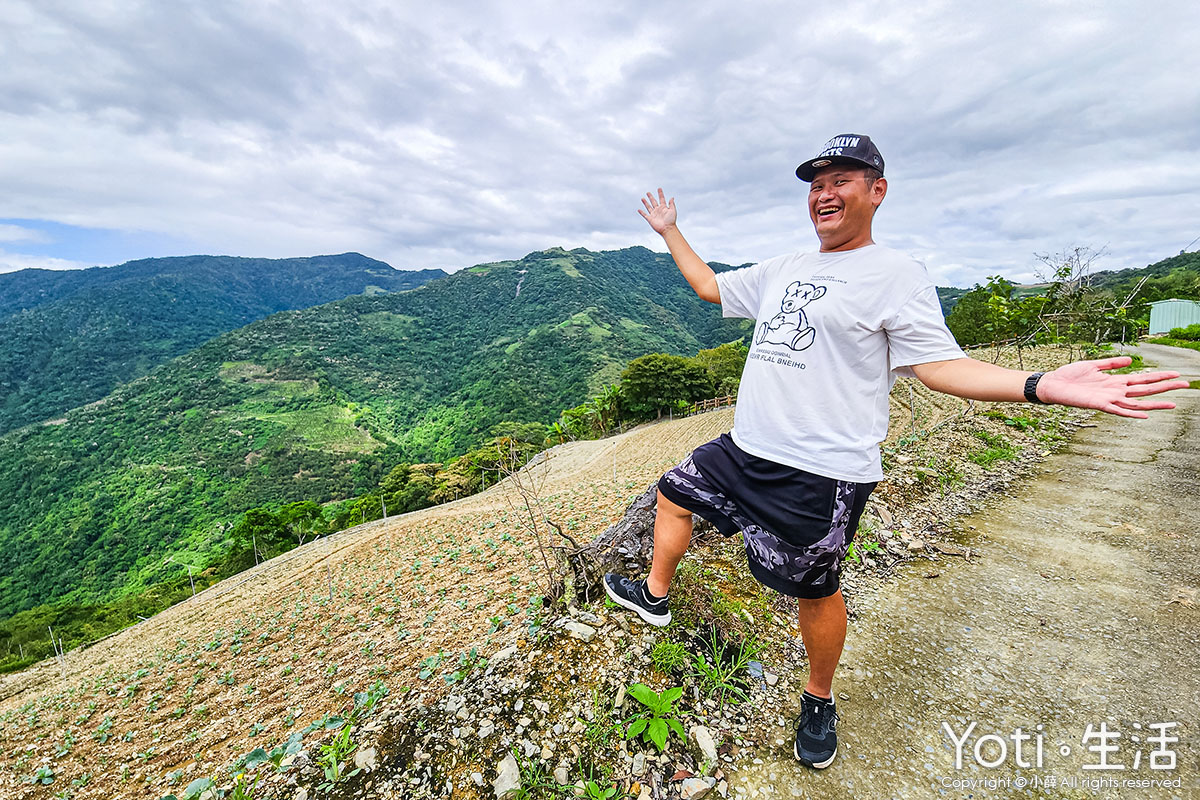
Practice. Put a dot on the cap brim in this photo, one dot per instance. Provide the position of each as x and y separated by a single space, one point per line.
808 170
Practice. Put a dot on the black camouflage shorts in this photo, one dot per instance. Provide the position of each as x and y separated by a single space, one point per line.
797 526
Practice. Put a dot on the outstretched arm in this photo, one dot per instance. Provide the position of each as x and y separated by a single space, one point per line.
1083 384
661 215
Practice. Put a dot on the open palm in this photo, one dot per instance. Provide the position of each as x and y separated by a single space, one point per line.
659 212
1085 384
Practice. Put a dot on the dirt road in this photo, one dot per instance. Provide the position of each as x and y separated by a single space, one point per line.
1082 612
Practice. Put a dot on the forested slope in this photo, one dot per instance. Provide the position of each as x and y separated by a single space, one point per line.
68 337
318 404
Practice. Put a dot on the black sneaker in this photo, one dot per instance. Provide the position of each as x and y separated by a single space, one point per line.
816 737
633 595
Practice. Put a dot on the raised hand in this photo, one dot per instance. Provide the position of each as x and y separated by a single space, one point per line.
1085 384
659 213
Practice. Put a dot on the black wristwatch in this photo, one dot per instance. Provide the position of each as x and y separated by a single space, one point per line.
1031 388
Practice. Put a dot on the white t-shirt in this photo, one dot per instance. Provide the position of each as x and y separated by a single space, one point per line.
832 332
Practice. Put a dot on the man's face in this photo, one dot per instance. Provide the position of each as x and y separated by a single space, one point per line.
841 204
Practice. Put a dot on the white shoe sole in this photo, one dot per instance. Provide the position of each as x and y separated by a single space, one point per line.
657 620
813 764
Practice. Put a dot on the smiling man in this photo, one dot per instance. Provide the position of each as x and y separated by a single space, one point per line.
834 328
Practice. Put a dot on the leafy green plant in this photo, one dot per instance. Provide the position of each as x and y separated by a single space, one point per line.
43 776
655 723
1190 333
429 666
594 791
365 702
856 549
467 662
333 758
101 735
1021 422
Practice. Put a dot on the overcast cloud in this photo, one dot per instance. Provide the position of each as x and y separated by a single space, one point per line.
448 134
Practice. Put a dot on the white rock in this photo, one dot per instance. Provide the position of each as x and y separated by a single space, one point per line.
477 778
702 736
693 789
620 697
584 633
365 758
508 779
639 764
507 652
771 678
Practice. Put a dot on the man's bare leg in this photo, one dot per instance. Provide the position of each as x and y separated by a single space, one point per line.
672 534
823 629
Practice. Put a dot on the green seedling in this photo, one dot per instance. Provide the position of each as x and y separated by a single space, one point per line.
656 722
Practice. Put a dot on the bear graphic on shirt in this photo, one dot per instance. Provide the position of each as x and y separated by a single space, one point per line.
790 326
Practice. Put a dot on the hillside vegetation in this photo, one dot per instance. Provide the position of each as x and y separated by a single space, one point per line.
1076 304
68 337
319 404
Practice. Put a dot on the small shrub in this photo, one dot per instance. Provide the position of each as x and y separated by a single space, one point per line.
669 656
1189 333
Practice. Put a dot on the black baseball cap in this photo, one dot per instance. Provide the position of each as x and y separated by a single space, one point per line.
845 148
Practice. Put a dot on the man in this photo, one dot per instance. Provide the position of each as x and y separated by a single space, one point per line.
833 331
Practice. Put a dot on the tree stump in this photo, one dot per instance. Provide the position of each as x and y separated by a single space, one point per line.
626 547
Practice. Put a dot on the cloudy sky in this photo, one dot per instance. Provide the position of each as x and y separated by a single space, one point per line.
447 134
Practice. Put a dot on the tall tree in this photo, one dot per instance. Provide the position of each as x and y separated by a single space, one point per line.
654 383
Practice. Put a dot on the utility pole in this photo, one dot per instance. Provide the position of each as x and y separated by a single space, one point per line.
171 560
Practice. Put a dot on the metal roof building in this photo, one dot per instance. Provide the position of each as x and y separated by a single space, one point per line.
1167 314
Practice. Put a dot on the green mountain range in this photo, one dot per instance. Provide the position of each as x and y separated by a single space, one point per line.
317 404
165 435
68 337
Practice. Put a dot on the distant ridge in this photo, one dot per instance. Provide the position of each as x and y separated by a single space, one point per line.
68 337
